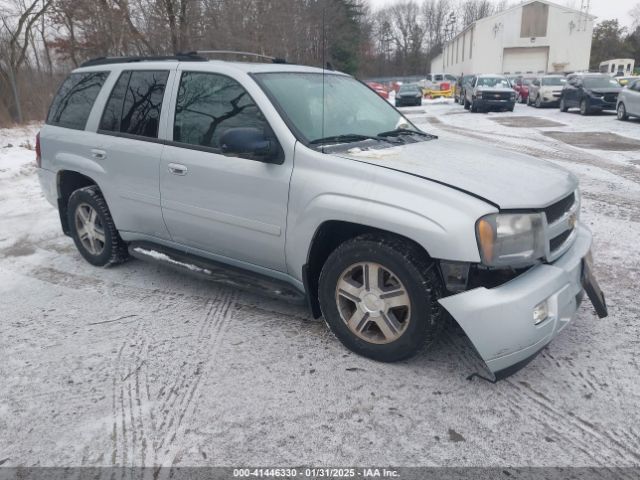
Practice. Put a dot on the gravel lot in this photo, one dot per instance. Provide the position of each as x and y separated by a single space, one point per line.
140 365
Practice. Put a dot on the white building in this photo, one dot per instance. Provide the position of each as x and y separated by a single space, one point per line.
533 37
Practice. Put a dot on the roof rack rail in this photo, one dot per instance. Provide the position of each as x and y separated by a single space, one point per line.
244 54
180 57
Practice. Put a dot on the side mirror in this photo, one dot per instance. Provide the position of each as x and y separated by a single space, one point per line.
249 141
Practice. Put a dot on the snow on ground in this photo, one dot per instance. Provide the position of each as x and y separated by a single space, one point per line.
139 365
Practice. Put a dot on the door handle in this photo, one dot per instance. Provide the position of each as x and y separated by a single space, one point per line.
177 169
98 154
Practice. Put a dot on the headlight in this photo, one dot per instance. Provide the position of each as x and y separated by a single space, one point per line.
513 96
510 239
478 94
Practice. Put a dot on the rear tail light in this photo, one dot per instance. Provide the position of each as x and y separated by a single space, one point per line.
38 151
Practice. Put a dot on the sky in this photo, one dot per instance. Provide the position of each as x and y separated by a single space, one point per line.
603 9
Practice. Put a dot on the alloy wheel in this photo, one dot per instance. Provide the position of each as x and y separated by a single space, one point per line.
373 302
90 229
622 112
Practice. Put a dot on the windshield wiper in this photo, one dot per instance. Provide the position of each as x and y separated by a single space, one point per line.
404 131
346 138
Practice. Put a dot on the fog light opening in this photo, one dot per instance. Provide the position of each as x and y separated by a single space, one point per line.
541 312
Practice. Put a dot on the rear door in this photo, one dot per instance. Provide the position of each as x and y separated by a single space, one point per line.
222 204
128 148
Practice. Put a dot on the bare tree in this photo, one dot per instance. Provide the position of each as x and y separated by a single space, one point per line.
18 28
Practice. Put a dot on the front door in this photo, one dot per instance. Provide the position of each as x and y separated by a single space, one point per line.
225 205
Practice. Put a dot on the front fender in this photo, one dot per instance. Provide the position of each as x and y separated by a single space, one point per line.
327 188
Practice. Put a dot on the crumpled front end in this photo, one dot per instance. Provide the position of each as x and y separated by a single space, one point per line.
506 323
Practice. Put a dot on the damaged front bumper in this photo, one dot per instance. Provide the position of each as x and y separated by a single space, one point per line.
499 321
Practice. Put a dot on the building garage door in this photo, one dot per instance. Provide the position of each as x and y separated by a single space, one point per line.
525 60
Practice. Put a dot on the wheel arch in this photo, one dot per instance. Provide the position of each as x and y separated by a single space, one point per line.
67 182
328 236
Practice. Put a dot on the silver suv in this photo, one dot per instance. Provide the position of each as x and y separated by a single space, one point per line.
309 177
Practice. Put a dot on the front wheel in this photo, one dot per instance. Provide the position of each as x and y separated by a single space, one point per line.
622 112
93 229
563 106
584 107
379 295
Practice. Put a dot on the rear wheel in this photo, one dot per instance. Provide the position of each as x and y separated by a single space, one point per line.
379 296
93 229
622 112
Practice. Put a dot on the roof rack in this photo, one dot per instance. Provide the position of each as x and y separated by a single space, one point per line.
179 57
243 54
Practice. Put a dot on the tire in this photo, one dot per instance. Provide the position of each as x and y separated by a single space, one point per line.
622 112
409 328
563 106
512 107
101 245
584 107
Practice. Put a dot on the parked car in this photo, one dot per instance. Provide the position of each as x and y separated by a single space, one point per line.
409 94
628 104
379 89
306 176
461 82
546 90
590 92
489 92
521 86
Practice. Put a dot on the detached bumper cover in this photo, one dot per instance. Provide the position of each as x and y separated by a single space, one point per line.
499 321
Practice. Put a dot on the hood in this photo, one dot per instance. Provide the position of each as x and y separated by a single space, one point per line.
495 89
506 179
605 90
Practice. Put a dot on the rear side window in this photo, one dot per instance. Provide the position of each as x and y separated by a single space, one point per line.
135 103
208 105
73 102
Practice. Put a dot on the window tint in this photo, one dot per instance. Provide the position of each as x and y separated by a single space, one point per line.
135 103
73 102
210 104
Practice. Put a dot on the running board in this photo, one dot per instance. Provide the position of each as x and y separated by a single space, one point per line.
216 272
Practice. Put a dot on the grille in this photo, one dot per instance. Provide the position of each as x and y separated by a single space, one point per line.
557 242
558 209
611 97
496 95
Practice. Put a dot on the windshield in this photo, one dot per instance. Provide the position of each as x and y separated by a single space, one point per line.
553 81
493 82
527 81
409 89
349 106
600 82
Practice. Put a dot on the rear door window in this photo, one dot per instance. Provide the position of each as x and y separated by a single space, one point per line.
75 98
135 104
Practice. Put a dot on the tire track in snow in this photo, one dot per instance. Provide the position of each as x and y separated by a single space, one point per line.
570 429
209 340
